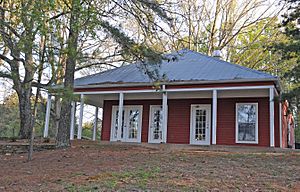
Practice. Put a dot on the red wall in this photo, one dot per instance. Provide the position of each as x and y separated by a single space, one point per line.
179 112
179 119
226 120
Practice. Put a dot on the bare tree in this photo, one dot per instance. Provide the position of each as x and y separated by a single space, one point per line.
205 26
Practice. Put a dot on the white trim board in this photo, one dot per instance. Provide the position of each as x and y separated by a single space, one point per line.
189 82
177 90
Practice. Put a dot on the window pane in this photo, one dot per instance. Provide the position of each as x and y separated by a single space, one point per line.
115 135
157 124
133 124
200 122
246 132
247 113
246 122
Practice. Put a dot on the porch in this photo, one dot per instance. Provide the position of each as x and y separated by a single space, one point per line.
121 98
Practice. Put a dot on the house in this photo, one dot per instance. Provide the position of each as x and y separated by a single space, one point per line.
202 101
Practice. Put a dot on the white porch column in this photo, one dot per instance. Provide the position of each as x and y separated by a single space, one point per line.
80 117
72 120
165 115
280 124
214 117
48 109
271 101
95 124
120 115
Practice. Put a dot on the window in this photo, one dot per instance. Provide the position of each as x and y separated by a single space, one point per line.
200 124
246 123
157 124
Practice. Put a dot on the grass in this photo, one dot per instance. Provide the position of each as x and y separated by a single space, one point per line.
116 180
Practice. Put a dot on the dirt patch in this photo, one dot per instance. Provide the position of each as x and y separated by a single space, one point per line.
87 166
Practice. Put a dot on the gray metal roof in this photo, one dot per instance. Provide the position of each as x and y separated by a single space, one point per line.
188 66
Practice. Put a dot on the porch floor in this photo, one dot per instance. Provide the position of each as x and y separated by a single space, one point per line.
169 147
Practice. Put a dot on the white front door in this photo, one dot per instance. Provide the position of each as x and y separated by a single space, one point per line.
131 128
155 124
200 124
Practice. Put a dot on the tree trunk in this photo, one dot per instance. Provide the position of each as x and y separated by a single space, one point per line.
25 113
63 135
57 105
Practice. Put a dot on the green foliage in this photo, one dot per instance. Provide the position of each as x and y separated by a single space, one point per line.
87 130
10 118
254 48
291 51
9 121
297 134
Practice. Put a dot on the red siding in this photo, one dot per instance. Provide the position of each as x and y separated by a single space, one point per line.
179 112
106 122
226 120
179 119
276 124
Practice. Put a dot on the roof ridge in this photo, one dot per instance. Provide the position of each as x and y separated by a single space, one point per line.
234 64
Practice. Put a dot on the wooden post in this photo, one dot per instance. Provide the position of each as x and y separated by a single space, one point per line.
165 115
46 128
271 101
73 112
95 124
120 115
214 119
80 117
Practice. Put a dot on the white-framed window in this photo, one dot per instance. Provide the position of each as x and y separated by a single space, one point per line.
246 123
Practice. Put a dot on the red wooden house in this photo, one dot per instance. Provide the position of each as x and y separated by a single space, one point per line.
202 101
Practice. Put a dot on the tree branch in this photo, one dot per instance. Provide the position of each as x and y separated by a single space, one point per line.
6 59
5 75
94 64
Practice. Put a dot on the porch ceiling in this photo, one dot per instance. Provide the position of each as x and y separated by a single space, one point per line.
98 98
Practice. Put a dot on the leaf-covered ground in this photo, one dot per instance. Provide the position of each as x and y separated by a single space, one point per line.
87 166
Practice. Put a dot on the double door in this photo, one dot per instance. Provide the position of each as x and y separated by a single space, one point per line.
131 124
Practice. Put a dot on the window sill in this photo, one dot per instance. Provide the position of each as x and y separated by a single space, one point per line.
246 142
